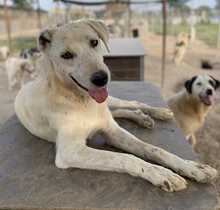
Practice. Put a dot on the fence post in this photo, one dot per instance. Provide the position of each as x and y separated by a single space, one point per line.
38 15
164 42
8 25
218 37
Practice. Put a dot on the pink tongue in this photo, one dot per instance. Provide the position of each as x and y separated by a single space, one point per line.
99 95
206 100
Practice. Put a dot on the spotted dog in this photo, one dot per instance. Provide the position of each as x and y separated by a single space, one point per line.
191 105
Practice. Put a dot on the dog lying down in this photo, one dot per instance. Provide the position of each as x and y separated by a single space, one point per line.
73 106
191 105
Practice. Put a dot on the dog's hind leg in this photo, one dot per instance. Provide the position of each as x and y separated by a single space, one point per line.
76 154
120 138
22 79
155 112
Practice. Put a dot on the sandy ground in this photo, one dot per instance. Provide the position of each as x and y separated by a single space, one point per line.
208 137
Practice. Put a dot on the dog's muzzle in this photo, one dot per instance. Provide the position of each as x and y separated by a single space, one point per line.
207 98
99 79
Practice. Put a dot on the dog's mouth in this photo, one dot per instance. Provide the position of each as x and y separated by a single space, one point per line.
99 95
206 99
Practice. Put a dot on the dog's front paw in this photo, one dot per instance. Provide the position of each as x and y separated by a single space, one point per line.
162 114
199 172
144 120
167 180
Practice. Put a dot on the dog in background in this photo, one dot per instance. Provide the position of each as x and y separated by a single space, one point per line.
4 51
34 55
180 47
74 105
16 68
191 105
29 53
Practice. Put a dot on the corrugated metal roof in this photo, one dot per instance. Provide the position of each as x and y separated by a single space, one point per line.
122 47
100 2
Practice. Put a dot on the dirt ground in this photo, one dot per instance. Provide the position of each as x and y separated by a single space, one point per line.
208 137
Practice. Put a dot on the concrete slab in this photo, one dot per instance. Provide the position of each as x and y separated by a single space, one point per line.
29 178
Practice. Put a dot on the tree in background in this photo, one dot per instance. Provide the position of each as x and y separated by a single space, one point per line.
176 3
25 4
183 8
217 6
179 6
205 12
204 8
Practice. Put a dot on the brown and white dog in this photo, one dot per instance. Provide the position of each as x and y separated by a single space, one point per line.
191 105
74 105
180 47
4 51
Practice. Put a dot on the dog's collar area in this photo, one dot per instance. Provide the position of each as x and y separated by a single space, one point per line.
28 71
180 43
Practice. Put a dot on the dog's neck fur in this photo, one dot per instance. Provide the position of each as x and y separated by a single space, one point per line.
188 103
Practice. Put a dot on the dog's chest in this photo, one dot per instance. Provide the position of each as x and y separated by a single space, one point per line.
87 117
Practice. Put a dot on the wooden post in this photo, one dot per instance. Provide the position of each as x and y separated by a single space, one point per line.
129 20
38 15
164 43
8 25
218 36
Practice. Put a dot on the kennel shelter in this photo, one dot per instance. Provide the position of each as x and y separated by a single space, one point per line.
125 59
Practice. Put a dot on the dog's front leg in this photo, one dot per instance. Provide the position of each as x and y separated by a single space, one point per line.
22 79
192 140
155 112
135 115
120 138
73 152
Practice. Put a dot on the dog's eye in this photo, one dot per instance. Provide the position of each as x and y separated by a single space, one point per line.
67 55
94 42
211 83
199 83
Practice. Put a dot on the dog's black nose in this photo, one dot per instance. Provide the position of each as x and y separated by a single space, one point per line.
209 92
99 78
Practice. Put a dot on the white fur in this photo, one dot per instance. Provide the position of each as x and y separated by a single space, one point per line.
57 109
16 69
4 51
180 47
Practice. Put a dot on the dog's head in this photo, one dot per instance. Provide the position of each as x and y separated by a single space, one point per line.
74 50
27 66
202 87
184 38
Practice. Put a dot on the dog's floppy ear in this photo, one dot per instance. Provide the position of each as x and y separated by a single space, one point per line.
188 84
45 39
101 30
217 83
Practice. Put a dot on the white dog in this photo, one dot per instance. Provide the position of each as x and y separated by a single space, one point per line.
180 47
191 105
4 51
16 69
72 107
